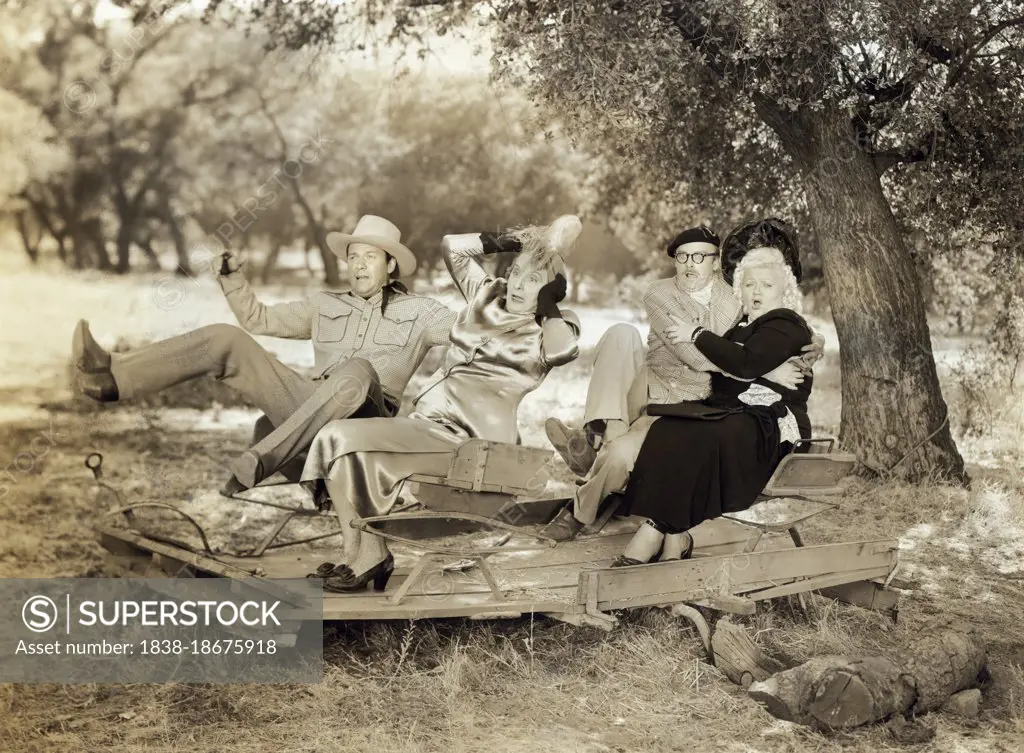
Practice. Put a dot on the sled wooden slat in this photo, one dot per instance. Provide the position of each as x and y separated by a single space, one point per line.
819 582
370 606
711 538
201 562
480 465
866 594
736 574
552 581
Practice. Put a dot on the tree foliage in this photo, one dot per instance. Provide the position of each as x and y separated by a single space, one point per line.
871 120
157 131
676 98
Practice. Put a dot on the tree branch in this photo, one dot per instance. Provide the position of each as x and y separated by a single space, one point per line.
316 229
897 91
696 32
934 49
990 34
693 29
920 152
961 57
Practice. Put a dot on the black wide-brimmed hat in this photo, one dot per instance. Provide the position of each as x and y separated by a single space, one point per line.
771 232
705 239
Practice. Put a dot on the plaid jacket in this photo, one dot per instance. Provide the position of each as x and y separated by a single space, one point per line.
676 373
343 325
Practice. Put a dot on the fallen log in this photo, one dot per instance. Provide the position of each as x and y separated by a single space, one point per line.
840 692
738 656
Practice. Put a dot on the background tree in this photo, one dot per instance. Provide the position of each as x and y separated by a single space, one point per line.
469 158
834 104
114 99
179 138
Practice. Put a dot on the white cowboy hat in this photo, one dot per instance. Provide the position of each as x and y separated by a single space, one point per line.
375 231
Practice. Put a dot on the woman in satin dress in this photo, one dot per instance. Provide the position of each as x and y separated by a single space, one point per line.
506 340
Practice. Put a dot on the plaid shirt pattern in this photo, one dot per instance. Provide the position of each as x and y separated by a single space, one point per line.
680 372
343 326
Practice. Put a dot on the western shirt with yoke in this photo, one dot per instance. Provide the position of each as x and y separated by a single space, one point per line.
678 372
343 326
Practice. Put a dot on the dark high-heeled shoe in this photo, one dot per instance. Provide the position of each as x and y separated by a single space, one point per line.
327 569
380 574
689 548
321 497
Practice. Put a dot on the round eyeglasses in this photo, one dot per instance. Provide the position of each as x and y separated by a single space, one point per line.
698 258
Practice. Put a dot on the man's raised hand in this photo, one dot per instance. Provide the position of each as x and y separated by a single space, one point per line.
227 263
680 331
789 374
811 353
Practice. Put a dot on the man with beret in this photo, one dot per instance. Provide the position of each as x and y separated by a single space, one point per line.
626 377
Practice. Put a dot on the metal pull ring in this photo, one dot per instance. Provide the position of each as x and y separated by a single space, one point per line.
94 462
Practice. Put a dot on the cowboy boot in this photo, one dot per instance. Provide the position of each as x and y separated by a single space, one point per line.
92 363
564 526
572 444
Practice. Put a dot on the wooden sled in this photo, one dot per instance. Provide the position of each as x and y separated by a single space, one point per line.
485 480
739 559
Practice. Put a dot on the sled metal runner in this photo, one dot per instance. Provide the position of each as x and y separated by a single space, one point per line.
739 559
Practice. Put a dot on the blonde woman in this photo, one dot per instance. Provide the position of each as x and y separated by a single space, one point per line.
510 335
700 460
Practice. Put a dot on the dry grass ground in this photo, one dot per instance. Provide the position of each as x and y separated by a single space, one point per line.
460 685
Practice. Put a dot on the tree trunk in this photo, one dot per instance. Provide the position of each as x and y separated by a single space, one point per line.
78 242
146 245
32 249
93 229
332 270
43 217
124 244
178 238
575 280
271 262
318 236
837 692
893 416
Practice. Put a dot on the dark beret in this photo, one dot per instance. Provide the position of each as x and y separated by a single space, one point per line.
693 235
771 232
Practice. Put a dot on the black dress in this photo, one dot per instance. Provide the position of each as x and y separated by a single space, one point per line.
701 459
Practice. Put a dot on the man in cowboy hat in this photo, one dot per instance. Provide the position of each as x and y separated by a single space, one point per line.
367 343
627 377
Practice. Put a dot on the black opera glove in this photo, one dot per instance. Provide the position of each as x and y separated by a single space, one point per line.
496 243
548 298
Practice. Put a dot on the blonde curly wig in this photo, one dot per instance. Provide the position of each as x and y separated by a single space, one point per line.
766 256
